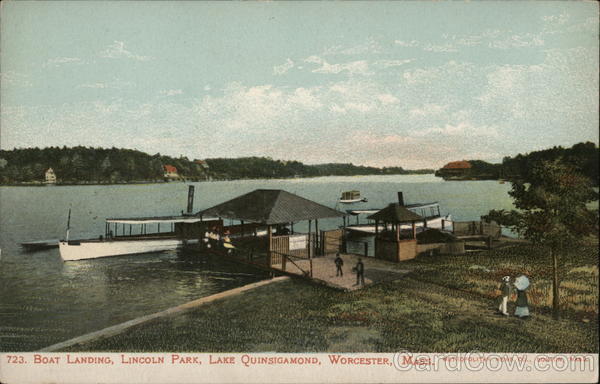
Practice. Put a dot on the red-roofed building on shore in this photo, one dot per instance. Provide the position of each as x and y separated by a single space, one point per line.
455 169
171 172
462 165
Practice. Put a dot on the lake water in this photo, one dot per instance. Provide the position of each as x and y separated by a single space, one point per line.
44 301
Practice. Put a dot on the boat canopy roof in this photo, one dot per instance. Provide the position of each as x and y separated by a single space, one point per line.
422 205
159 219
370 211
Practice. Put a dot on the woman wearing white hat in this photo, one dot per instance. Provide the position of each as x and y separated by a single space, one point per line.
522 306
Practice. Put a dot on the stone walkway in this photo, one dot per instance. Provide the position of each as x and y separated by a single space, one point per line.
376 271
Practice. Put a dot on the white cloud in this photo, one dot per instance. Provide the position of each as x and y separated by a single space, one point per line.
464 128
559 19
94 85
336 109
171 92
371 46
428 110
355 67
492 38
306 98
518 41
410 44
115 84
386 98
392 63
283 68
14 78
450 70
117 51
358 107
58 61
440 48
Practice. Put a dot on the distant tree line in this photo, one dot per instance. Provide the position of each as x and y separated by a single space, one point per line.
583 157
264 167
88 165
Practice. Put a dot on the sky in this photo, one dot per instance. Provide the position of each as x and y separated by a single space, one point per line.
411 84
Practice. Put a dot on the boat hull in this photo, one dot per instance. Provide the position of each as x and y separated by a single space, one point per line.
363 200
81 250
435 222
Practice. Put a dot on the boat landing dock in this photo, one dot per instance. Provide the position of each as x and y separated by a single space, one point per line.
324 271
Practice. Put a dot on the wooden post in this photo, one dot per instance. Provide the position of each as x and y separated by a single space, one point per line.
270 237
366 249
443 224
489 242
130 229
292 227
317 238
309 240
397 232
414 230
481 227
376 227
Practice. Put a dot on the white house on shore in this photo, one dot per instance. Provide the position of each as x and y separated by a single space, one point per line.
50 176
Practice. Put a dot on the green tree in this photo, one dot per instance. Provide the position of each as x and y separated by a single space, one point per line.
552 212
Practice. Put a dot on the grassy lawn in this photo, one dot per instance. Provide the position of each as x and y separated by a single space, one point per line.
447 304
482 272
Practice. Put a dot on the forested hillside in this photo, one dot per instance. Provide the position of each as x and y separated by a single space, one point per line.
87 165
585 157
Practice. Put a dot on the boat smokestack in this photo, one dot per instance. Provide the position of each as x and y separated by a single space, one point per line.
400 199
190 203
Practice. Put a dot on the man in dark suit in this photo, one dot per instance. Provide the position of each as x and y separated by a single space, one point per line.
360 272
338 265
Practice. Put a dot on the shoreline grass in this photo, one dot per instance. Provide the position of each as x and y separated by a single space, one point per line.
407 314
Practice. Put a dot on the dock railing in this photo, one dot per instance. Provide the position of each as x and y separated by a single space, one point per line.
282 258
472 228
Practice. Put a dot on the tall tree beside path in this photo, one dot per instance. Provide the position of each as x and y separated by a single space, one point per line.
552 212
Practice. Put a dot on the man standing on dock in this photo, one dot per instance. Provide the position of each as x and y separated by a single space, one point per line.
360 272
338 265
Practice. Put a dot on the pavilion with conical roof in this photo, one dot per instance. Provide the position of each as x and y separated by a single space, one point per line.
388 244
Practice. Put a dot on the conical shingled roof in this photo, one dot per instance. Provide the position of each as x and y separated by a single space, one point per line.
271 206
395 213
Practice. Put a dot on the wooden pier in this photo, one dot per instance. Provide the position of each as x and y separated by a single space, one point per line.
324 271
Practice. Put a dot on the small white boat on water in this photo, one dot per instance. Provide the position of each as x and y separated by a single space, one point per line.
181 229
350 197
432 218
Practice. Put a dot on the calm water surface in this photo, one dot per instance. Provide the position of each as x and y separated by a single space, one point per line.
44 301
